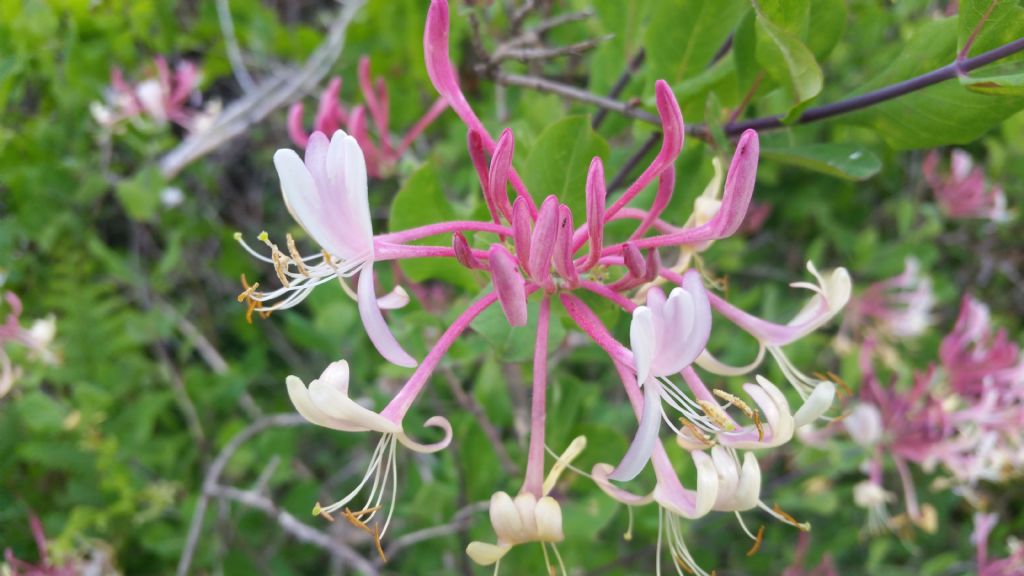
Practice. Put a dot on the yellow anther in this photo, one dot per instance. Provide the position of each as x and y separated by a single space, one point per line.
355 521
575 447
318 511
735 401
248 291
757 542
760 428
328 259
803 526
263 237
376 542
296 257
696 432
238 236
716 414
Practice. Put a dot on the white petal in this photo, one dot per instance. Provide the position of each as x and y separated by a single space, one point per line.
299 396
549 520
330 401
641 340
816 404
486 554
640 449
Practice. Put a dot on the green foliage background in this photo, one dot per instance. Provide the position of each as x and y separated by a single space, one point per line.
105 447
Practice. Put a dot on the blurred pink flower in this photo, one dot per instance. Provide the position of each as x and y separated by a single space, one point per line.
963 192
36 339
161 99
899 307
381 155
1012 565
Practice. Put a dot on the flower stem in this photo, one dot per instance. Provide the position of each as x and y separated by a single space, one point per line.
419 232
538 408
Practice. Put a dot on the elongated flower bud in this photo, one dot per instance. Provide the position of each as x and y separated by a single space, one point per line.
497 176
634 260
463 253
596 198
542 244
563 247
521 232
509 285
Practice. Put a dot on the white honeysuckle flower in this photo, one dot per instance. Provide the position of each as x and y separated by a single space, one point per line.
666 336
326 402
527 518
831 293
327 195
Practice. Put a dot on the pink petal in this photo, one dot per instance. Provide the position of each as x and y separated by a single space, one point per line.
373 322
329 115
641 341
642 446
509 285
674 497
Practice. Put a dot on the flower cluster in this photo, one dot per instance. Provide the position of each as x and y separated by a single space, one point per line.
963 192
36 339
537 251
381 156
895 308
169 97
963 416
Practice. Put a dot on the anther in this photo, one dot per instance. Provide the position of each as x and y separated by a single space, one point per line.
757 542
296 257
716 414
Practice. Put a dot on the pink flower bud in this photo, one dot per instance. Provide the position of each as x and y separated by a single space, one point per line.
509 285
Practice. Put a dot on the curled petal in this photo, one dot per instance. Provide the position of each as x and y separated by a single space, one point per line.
739 488
542 243
642 446
376 328
505 519
509 285
432 422
678 500
548 516
816 404
396 299
299 395
601 473
486 554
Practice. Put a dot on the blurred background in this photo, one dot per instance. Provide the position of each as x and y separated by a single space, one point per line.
144 424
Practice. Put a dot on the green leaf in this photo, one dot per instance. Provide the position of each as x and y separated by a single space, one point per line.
421 201
684 35
559 160
846 161
516 344
140 194
1004 23
829 17
780 25
1006 85
940 115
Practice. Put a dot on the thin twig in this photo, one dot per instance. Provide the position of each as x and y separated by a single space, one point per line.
227 29
574 93
460 521
213 475
634 64
295 527
620 177
280 89
470 404
527 54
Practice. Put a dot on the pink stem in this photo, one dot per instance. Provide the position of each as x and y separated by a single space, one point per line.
589 323
399 405
534 482
609 294
442 228
383 251
439 106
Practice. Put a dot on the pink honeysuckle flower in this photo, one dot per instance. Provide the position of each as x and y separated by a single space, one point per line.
381 155
162 99
899 307
541 250
326 402
1012 565
36 339
977 358
825 568
963 192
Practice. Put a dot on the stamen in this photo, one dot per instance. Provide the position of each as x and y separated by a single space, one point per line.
376 542
757 424
319 511
355 521
757 542
296 257
716 414
628 536
248 291
697 432
735 401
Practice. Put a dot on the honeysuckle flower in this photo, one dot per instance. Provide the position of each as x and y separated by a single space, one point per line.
527 518
36 339
831 293
976 357
825 568
326 402
899 307
327 196
525 250
1012 565
963 192
165 98
381 155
